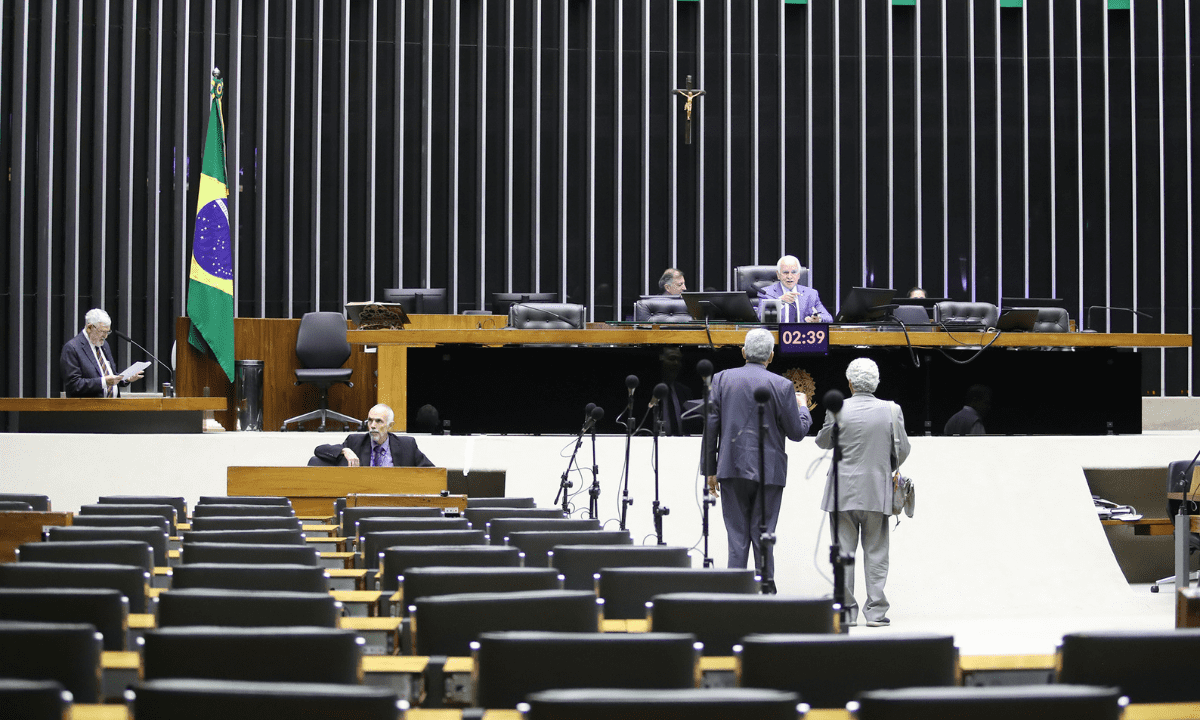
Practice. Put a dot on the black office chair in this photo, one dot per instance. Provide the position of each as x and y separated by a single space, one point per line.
372 545
661 704
351 515
322 349
481 516
254 537
140 521
244 500
547 316
538 544
35 699
419 582
752 278
247 522
192 699
1179 480
661 310
973 315
500 528
1032 702
1052 320
248 510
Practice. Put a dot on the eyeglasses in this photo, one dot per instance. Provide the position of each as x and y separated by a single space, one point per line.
789 272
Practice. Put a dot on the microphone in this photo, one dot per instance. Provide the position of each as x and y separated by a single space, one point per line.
587 410
705 369
660 392
131 341
833 401
761 395
631 382
1090 308
594 417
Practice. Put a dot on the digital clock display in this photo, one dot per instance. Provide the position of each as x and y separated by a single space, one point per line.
804 338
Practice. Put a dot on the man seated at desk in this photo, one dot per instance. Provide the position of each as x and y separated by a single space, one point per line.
86 362
797 303
378 447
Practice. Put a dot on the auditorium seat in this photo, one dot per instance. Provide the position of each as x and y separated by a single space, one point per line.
371 524
151 521
829 671
351 515
500 502
40 503
129 580
375 543
108 552
254 537
256 576
500 528
537 544
68 653
447 624
34 699
191 699
15 505
105 609
214 552
511 665
176 501
246 608
661 704
721 620
278 654
244 500
1028 702
221 510
396 560
246 522
167 511
419 582
580 563
627 590
1150 666
481 516
156 538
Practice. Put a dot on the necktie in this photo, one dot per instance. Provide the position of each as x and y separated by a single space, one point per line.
103 372
377 456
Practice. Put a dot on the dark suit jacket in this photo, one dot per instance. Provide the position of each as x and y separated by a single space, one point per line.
405 452
77 365
733 424
808 300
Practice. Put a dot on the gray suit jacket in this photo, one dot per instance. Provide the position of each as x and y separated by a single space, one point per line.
865 472
733 424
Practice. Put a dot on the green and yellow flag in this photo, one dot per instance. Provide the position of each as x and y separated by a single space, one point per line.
210 288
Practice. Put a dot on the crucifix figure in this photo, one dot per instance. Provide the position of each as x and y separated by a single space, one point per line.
689 94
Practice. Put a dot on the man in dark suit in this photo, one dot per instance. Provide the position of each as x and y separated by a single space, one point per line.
797 303
86 362
379 448
733 458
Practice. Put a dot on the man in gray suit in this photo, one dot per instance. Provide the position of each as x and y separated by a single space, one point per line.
871 433
733 453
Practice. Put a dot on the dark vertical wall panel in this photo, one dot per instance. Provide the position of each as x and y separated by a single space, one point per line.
496 145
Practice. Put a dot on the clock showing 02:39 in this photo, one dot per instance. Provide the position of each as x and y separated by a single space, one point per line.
804 338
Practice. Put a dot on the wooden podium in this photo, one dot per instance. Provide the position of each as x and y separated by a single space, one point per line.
312 490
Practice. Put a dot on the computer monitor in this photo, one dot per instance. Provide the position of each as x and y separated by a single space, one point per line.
1020 302
501 301
721 306
925 302
864 304
420 301
1017 319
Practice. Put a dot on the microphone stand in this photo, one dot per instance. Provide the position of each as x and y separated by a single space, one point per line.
626 501
594 490
1183 528
835 548
708 500
659 508
765 539
564 484
1088 325
170 375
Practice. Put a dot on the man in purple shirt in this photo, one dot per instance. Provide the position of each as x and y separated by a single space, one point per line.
379 448
797 303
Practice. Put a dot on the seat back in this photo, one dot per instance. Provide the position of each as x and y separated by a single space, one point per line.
481 516
815 666
156 538
1052 320
663 704
105 609
255 537
580 563
244 500
109 552
291 654
166 511
1149 665
500 528
966 313
176 501
447 624
500 502
501 302
321 342
211 552
192 699
230 510
1029 702
10 505
418 582
537 544
372 545
256 576
247 608
151 521
542 316
246 522
752 278
40 503
129 580
352 515
721 620
661 310
34 699
510 665
68 653
627 590
1179 480
396 561
370 525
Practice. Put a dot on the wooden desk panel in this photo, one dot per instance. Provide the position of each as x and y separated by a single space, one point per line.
312 490
21 526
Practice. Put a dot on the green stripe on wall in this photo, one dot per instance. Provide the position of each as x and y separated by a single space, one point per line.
1118 4
904 2
1012 3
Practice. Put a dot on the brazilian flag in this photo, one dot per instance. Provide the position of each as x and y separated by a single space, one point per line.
210 287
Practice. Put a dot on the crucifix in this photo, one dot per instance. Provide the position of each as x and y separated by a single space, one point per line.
689 94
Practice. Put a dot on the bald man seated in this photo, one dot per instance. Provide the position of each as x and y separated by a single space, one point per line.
378 447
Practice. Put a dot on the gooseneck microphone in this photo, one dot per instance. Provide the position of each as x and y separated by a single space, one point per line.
761 395
631 383
595 413
704 369
131 341
660 393
834 399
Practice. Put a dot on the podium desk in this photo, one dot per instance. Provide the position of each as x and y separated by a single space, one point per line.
147 415
313 490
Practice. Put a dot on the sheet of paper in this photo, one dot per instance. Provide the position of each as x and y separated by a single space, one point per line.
134 369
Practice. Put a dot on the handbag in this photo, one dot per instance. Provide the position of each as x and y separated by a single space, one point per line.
904 493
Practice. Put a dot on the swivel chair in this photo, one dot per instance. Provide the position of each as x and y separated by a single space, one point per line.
660 310
1179 480
322 349
752 278
543 316
966 314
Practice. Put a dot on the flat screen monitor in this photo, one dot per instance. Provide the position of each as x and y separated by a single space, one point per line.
419 301
501 302
721 306
1019 302
1017 319
864 304
925 302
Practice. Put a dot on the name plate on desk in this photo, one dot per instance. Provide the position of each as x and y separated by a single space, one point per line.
804 338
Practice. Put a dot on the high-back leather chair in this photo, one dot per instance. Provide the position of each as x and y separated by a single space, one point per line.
419 582
166 511
1029 702
37 502
547 316
661 310
351 515
244 500
374 543
500 502
268 537
230 510
966 313
176 501
1052 320
322 349
481 516
752 278
246 522
500 528
142 521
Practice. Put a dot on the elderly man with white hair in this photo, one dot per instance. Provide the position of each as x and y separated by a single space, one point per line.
379 447
874 444
732 457
797 303
86 362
